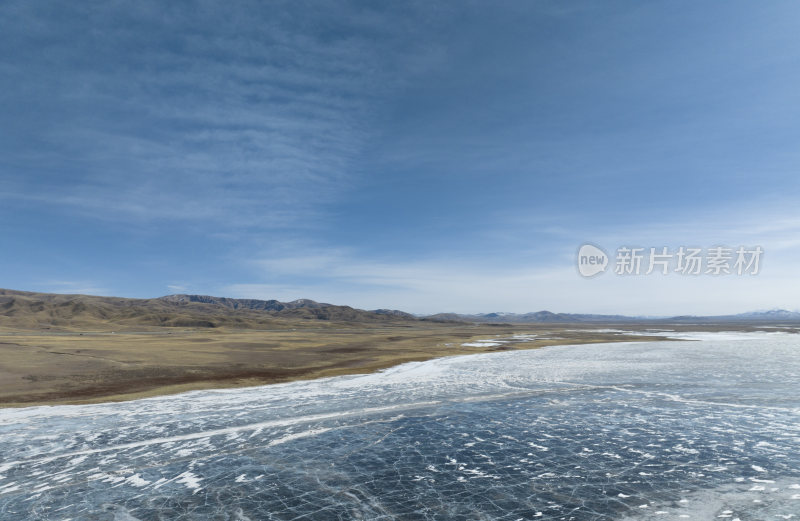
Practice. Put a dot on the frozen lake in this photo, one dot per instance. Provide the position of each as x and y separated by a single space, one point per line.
658 430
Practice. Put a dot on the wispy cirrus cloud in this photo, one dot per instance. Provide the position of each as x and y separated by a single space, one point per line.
419 155
72 287
444 285
197 111
471 284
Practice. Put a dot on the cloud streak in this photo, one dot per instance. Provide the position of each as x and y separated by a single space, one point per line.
483 283
427 156
196 112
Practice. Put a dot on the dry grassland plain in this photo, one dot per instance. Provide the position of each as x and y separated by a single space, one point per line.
71 367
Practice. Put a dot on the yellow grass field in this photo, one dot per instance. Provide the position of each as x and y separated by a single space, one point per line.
71 367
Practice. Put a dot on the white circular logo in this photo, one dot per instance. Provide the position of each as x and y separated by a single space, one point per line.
591 260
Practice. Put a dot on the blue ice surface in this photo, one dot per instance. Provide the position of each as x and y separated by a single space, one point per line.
647 430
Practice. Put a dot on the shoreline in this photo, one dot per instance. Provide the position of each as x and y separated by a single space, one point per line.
73 368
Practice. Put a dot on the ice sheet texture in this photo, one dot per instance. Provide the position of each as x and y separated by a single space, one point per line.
658 430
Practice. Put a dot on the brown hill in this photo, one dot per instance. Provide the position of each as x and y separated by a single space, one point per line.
27 310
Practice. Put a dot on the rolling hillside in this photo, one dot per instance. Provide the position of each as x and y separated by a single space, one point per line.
27 310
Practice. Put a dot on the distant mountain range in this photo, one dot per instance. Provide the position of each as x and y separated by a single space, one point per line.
28 310
775 315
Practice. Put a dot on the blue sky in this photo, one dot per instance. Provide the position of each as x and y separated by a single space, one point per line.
419 155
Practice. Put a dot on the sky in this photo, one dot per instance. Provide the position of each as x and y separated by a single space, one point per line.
424 156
